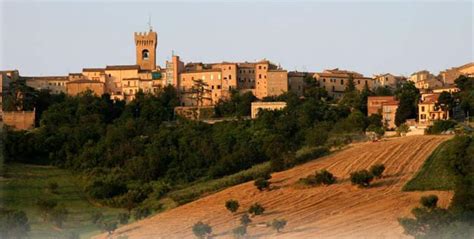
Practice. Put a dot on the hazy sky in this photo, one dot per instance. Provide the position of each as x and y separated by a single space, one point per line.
54 38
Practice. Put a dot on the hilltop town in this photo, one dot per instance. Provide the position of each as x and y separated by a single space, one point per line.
241 149
204 85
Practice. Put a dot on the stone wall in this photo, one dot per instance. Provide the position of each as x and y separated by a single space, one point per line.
19 120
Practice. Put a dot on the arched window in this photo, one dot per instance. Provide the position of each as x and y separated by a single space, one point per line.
145 54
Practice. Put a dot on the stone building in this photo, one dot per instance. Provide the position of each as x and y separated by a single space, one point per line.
296 81
256 107
450 75
262 78
425 80
387 80
386 106
335 81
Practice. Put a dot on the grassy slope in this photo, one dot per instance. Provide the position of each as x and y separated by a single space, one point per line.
434 174
24 184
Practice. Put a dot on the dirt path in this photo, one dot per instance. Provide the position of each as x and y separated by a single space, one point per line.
336 211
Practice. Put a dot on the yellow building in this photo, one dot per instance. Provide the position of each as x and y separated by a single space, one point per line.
427 110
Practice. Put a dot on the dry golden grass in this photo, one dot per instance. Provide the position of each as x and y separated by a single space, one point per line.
336 211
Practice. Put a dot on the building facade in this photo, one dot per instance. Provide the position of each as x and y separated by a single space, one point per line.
256 107
335 81
450 75
386 106
428 111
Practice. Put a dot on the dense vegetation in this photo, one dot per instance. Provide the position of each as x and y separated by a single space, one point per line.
127 152
454 159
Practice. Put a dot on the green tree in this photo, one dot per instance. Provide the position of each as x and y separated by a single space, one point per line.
407 96
262 184
232 205
202 230
362 178
377 170
256 209
278 224
446 102
429 201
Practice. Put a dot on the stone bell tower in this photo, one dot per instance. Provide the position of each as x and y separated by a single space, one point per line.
145 44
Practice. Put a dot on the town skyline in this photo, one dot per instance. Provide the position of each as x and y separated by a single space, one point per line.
110 46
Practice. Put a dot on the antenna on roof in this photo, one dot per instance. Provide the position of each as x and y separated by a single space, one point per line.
149 23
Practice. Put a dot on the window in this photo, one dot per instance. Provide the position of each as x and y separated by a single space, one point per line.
358 82
229 67
259 67
219 87
145 54
324 80
342 82
212 87
259 76
333 88
230 77
422 109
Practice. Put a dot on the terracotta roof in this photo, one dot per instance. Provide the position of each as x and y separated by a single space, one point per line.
430 99
133 78
123 67
392 98
75 74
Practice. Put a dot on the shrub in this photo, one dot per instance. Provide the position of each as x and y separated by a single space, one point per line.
123 218
232 205
245 220
361 178
97 217
256 209
429 202
262 183
142 212
324 177
239 231
201 230
403 129
321 177
440 126
278 224
53 187
377 170
100 189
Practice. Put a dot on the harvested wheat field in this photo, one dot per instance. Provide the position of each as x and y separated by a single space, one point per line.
340 210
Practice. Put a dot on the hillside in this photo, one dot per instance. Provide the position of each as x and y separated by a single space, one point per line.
336 211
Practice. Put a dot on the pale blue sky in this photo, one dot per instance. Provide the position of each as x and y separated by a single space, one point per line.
54 38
